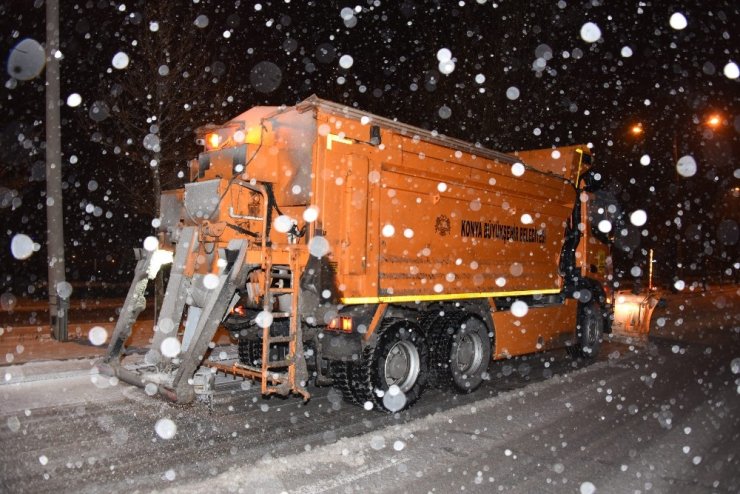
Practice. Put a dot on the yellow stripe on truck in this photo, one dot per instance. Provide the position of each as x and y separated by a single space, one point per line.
446 296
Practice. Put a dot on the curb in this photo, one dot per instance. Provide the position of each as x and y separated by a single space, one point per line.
47 370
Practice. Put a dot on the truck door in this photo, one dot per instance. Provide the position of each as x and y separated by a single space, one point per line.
354 214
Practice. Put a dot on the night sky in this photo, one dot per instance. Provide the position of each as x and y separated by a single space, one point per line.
198 62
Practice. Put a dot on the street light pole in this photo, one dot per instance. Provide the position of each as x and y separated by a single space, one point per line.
713 121
58 304
636 130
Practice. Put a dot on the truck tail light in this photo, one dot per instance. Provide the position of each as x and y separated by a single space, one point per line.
213 140
341 323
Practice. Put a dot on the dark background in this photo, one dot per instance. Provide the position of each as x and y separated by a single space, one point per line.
282 52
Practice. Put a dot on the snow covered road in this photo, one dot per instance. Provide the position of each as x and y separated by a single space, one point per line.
633 423
658 418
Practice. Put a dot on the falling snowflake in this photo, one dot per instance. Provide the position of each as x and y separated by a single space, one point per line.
590 32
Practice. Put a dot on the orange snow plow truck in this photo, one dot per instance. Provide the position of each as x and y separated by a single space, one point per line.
353 250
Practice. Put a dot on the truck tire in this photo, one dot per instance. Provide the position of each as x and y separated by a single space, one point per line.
440 340
392 374
250 350
589 330
344 381
461 354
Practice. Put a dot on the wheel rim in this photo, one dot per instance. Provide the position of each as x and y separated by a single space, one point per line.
469 353
402 365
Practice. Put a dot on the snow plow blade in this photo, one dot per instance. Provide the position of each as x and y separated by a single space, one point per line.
172 360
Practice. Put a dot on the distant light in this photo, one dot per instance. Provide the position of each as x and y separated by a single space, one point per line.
714 120
636 129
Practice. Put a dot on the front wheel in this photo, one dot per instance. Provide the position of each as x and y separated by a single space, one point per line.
589 331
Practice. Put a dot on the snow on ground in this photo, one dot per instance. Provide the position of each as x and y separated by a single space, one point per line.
653 418
600 426
359 458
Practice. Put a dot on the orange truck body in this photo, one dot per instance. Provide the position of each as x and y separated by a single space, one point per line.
408 222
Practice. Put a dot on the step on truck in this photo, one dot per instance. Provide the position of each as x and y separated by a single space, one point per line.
353 250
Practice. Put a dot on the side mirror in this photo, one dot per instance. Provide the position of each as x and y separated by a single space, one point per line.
593 181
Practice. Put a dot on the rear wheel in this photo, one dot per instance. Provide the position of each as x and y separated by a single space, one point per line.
589 331
392 374
462 353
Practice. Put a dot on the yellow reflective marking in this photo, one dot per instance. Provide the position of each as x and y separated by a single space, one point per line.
331 138
254 135
437 298
580 161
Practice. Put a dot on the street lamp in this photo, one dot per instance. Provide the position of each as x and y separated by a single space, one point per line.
714 120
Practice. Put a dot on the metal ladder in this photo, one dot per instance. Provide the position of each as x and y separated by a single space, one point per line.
289 375
296 376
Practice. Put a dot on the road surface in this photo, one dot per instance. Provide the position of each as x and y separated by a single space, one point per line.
662 416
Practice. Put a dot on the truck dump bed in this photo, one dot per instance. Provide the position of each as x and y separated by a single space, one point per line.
408 214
